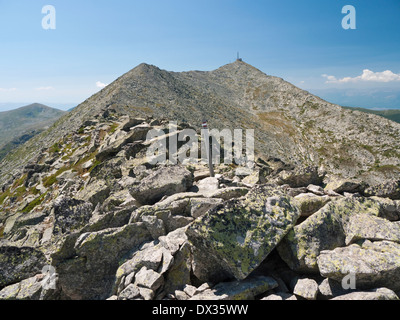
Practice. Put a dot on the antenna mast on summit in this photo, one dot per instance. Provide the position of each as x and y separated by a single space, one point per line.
238 57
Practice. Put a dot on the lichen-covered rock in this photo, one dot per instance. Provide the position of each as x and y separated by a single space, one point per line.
241 233
390 209
324 230
376 294
340 185
162 182
28 289
362 226
306 288
199 206
374 264
229 193
300 177
87 263
389 189
179 272
238 290
19 263
310 203
148 278
131 292
70 214
280 296
96 192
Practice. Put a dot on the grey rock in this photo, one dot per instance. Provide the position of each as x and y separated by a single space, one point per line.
71 214
324 230
146 293
19 263
318 190
376 294
96 192
179 273
155 226
208 185
163 182
131 292
199 206
28 289
329 289
340 185
148 278
300 177
151 258
306 288
370 227
87 263
235 237
310 203
389 189
280 296
238 290
181 295
229 193
374 264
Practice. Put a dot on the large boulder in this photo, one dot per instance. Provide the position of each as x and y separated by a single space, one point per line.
373 264
19 263
95 192
86 263
70 214
300 177
28 289
324 230
310 203
341 185
162 182
237 236
364 226
389 189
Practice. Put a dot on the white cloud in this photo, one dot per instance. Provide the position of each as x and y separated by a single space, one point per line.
8 89
366 76
44 88
101 85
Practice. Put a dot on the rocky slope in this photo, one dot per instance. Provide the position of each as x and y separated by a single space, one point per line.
86 214
115 226
289 123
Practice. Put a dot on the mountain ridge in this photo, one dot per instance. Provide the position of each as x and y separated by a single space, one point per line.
290 123
22 122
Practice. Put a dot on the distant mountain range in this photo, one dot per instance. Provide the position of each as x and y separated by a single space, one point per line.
392 114
19 125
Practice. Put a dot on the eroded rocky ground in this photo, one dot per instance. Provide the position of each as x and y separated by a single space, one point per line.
115 226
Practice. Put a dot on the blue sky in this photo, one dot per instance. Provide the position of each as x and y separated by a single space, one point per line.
303 42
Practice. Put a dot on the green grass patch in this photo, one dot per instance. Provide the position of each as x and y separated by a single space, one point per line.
4 196
49 181
55 148
113 128
32 205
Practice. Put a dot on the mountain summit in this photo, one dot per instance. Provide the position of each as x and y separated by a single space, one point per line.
289 123
86 214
